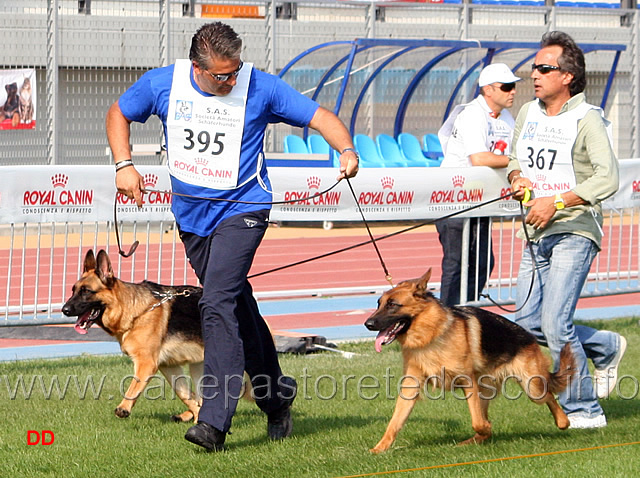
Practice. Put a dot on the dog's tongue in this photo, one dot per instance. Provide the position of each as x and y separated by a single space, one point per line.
81 324
382 335
386 336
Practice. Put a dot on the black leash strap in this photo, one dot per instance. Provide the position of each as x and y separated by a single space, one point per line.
387 236
135 245
533 268
372 240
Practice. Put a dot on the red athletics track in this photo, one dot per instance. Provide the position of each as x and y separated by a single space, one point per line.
406 256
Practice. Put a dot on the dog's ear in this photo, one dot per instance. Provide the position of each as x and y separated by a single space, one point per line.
89 261
421 285
104 270
424 280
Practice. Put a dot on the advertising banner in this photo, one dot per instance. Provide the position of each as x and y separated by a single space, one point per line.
18 99
33 194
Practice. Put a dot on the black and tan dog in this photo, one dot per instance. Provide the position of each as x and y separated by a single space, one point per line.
11 107
158 326
463 347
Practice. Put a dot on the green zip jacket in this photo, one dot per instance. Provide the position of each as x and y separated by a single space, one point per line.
596 170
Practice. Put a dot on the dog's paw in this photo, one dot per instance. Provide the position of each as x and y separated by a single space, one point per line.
182 417
377 450
122 413
477 439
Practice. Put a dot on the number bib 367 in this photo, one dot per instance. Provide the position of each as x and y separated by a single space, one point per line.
204 133
544 149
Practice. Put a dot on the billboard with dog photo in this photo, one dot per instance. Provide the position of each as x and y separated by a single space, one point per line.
18 99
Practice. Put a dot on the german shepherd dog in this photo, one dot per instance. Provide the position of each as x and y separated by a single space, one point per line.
444 344
158 326
11 107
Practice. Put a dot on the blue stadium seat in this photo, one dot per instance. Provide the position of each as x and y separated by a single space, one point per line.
432 147
317 144
369 157
587 4
295 144
410 147
390 151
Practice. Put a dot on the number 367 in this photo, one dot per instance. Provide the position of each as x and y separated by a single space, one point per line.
540 159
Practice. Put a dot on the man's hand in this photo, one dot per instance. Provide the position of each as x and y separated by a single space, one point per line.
335 132
519 186
541 210
130 183
348 165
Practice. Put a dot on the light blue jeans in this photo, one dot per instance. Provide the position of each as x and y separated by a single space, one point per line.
562 265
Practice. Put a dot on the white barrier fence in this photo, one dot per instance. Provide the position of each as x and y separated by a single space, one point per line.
61 211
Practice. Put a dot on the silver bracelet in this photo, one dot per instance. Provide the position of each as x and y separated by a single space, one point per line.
123 164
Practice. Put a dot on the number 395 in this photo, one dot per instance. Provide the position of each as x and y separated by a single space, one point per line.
203 139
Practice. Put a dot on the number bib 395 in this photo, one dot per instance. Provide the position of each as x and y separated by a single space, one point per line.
544 149
204 133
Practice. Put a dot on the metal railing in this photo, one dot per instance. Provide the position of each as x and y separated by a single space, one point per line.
43 261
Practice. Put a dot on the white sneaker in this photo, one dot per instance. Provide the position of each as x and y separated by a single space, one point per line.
605 379
584 422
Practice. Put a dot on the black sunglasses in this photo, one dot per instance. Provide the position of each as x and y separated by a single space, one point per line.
507 87
225 77
544 69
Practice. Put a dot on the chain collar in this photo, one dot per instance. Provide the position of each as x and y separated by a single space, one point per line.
166 296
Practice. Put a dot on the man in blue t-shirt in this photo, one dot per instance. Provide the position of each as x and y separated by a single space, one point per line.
215 109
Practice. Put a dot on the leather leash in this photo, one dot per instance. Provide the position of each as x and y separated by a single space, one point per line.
371 240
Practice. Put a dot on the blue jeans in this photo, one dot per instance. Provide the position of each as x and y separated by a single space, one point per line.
562 265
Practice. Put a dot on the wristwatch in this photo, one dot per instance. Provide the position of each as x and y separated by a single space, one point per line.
353 151
559 202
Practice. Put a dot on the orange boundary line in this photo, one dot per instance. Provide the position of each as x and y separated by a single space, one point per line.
493 460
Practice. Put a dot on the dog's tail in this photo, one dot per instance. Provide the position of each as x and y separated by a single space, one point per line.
560 379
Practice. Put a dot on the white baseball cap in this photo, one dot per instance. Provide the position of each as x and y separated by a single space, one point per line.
496 73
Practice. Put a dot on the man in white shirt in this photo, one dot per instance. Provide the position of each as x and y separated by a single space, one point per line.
475 134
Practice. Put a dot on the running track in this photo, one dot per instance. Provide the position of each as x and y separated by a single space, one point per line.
406 256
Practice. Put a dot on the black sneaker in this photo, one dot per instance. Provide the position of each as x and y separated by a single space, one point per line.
206 436
280 423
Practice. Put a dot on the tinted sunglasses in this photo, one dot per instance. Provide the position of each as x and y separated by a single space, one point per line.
544 69
507 87
223 78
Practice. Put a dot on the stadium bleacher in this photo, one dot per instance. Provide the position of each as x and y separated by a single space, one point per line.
410 147
390 151
432 147
295 144
368 151
384 151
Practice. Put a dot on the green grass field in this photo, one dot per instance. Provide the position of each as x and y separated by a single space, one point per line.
342 410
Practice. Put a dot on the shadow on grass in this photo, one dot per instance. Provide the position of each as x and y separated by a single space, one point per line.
619 409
